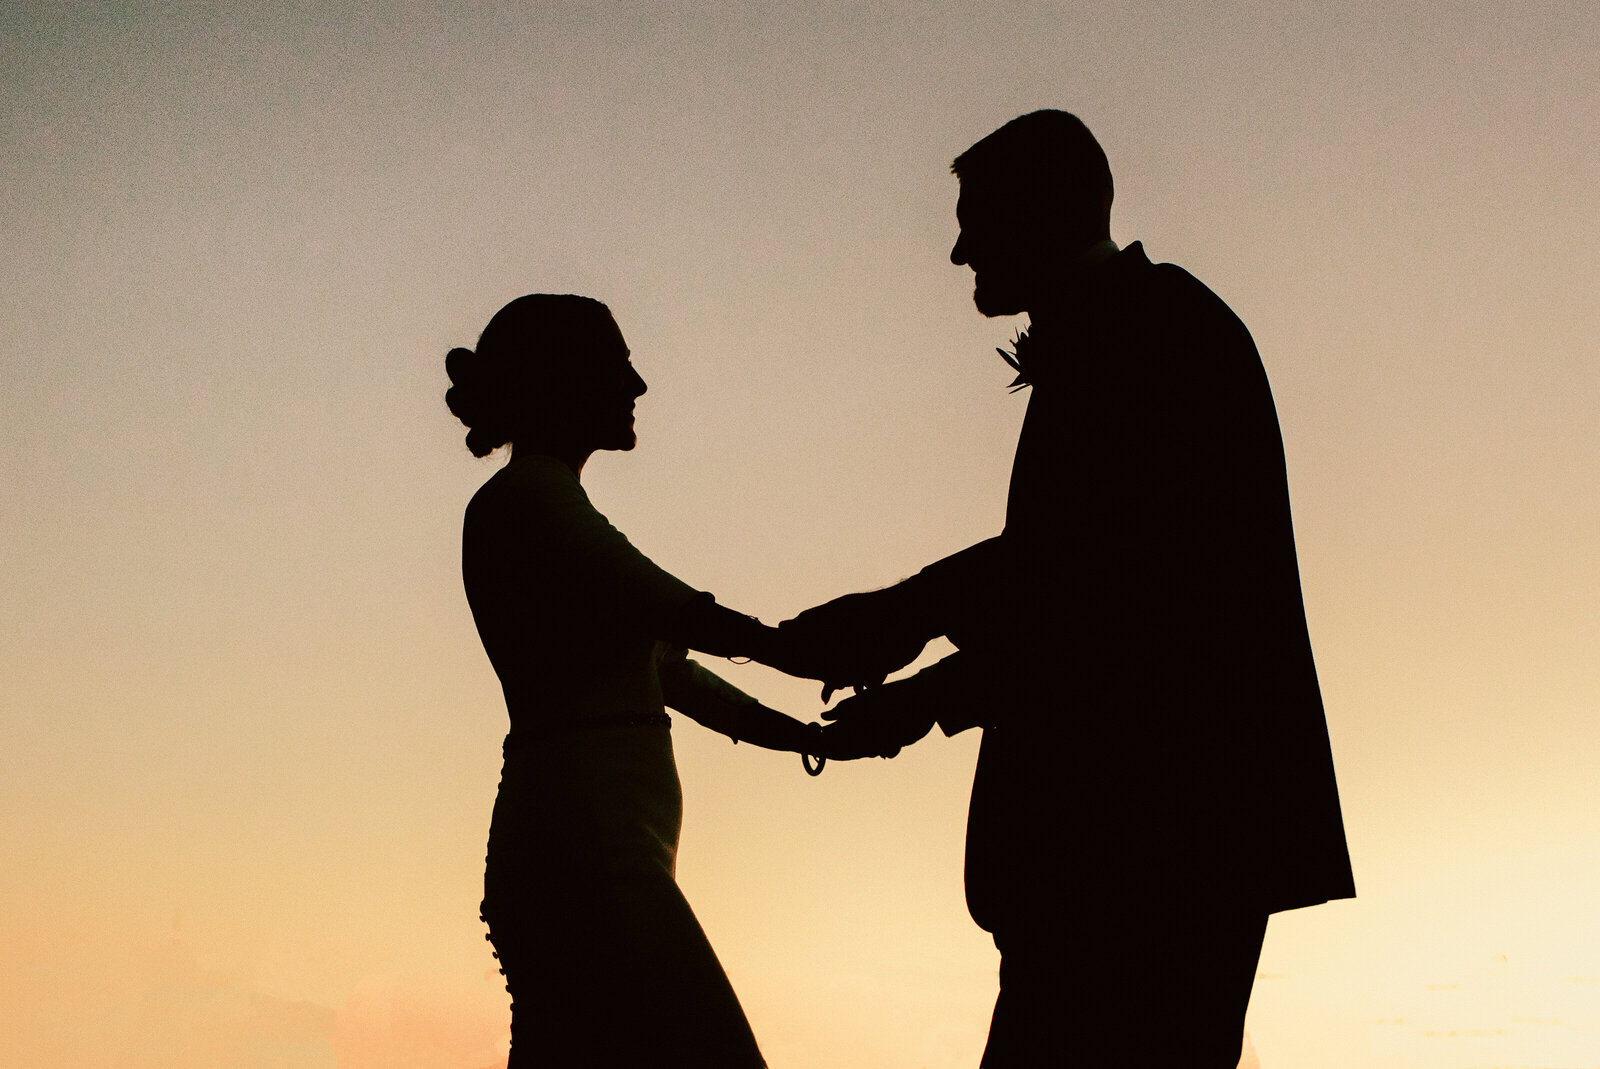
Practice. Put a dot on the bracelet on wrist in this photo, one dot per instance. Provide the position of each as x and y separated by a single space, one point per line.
814 732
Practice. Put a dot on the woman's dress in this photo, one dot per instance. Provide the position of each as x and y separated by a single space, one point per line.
603 957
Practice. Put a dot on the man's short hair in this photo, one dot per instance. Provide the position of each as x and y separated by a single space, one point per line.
1047 158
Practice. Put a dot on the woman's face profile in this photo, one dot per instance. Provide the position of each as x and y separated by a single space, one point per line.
610 385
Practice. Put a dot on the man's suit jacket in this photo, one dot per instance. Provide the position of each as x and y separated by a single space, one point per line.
1135 643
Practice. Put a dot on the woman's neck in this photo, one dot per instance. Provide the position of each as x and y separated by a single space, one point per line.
574 457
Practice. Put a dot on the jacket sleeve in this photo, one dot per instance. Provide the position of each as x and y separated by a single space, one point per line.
959 690
952 595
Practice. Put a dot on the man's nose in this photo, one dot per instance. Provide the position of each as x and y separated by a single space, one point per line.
958 252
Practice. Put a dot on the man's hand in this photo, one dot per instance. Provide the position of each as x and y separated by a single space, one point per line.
877 722
852 641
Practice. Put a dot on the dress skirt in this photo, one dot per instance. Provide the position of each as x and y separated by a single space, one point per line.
605 961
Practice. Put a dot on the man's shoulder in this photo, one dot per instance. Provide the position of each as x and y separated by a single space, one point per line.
1173 282
1177 337
1176 306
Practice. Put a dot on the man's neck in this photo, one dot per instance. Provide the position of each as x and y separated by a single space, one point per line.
1099 252
1062 296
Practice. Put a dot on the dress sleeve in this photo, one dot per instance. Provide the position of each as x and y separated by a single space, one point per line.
694 690
616 578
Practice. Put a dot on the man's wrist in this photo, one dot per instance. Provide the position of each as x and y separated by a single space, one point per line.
911 607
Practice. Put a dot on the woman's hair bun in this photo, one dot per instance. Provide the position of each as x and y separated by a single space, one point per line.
471 398
460 364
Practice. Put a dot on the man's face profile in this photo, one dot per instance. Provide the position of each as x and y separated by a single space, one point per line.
995 242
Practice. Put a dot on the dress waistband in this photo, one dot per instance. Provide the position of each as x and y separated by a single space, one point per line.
521 736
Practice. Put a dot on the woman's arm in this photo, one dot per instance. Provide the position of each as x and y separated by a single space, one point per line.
701 624
618 580
708 699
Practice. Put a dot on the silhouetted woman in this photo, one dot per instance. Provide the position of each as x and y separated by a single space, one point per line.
604 960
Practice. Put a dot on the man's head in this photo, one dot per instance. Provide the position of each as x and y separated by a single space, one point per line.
1034 194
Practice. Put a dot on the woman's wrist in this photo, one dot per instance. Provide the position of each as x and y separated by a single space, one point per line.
774 729
759 641
807 737
704 625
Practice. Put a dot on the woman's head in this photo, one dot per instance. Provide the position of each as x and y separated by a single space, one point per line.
550 370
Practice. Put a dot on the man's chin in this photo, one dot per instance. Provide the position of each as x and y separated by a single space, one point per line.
994 304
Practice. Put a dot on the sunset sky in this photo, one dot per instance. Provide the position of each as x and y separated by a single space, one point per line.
248 738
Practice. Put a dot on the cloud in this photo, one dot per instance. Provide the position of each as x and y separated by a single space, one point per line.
423 1022
189 1018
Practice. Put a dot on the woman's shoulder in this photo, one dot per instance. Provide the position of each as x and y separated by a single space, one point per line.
529 484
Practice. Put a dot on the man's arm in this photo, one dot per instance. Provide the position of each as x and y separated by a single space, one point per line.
861 638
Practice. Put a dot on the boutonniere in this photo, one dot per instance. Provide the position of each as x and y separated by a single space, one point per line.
1017 358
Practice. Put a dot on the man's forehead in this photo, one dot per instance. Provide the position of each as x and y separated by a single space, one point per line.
983 197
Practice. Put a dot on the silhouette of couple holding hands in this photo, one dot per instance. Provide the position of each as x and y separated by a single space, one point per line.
1155 776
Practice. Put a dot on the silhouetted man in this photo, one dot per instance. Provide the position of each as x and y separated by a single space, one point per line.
1155 776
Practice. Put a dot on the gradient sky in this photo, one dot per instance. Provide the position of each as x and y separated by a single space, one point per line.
251 740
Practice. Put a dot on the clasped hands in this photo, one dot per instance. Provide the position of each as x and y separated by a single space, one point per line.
854 642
